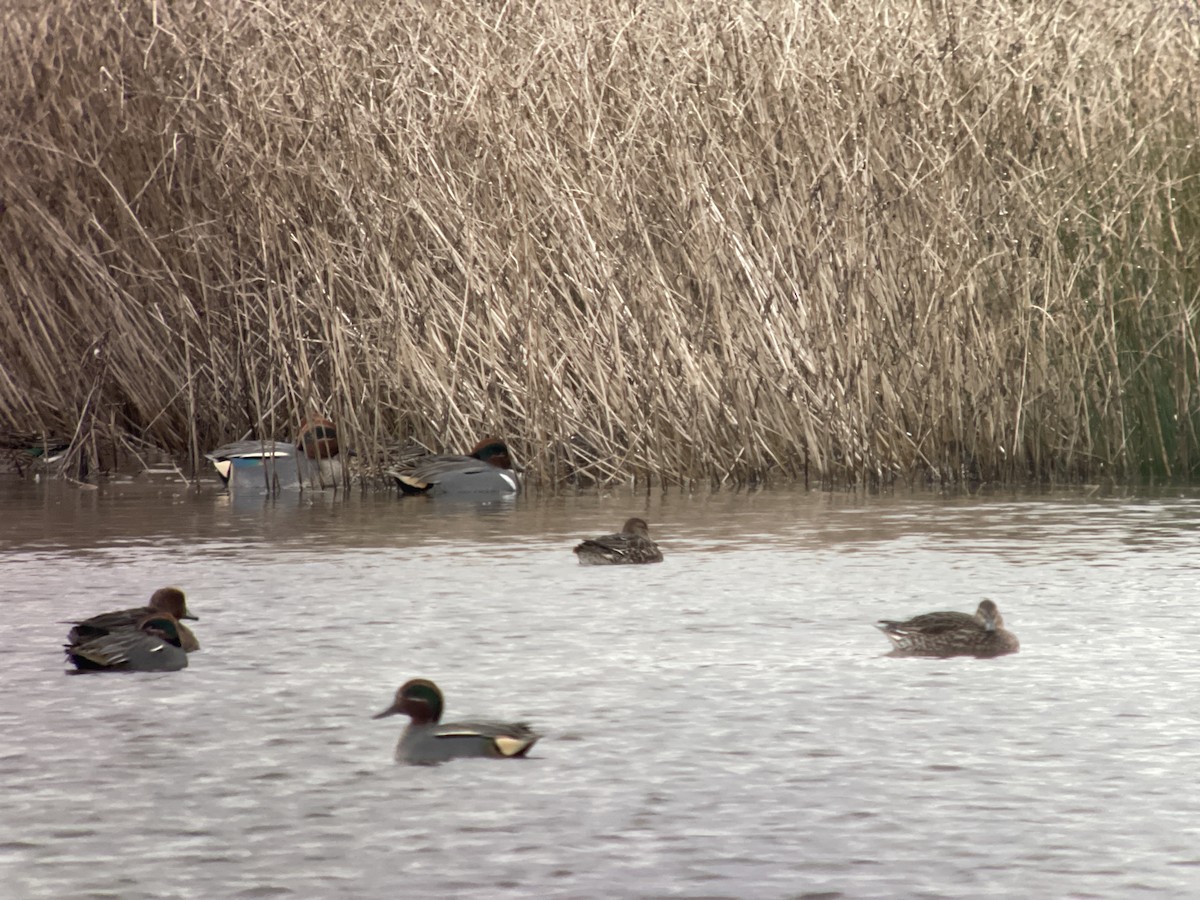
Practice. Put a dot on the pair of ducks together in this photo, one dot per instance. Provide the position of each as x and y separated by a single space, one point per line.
147 638
314 460
151 638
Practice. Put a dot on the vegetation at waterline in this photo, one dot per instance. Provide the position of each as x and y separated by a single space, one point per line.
848 241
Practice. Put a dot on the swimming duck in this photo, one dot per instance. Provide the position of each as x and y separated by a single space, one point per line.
426 742
153 646
312 461
950 633
22 451
632 545
169 600
487 469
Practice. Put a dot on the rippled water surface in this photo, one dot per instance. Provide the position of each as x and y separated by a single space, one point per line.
721 725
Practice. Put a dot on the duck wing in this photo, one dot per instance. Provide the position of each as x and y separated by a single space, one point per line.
128 649
105 623
618 548
931 623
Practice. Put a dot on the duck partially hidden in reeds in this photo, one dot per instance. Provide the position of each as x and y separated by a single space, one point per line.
169 600
631 546
942 634
153 646
428 741
486 471
313 460
22 452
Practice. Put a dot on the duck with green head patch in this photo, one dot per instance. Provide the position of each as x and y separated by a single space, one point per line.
486 471
22 451
631 546
949 633
169 600
313 460
153 646
428 741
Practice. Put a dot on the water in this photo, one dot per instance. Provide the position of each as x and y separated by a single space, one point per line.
721 725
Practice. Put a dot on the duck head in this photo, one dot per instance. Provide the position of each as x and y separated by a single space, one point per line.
162 625
494 452
989 615
636 526
173 601
419 699
318 438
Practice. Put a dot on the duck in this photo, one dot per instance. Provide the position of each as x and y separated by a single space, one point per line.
487 470
632 545
429 741
313 460
22 452
153 646
949 633
169 600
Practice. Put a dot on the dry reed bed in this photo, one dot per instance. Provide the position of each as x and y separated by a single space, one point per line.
704 239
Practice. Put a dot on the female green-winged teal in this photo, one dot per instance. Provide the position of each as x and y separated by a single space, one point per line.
948 633
632 545
313 461
169 600
426 742
153 646
486 471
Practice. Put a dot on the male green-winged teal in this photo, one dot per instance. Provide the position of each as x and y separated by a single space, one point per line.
632 545
948 633
169 600
426 742
153 646
312 461
486 471
22 451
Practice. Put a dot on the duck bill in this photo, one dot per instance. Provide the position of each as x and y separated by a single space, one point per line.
390 711
188 615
